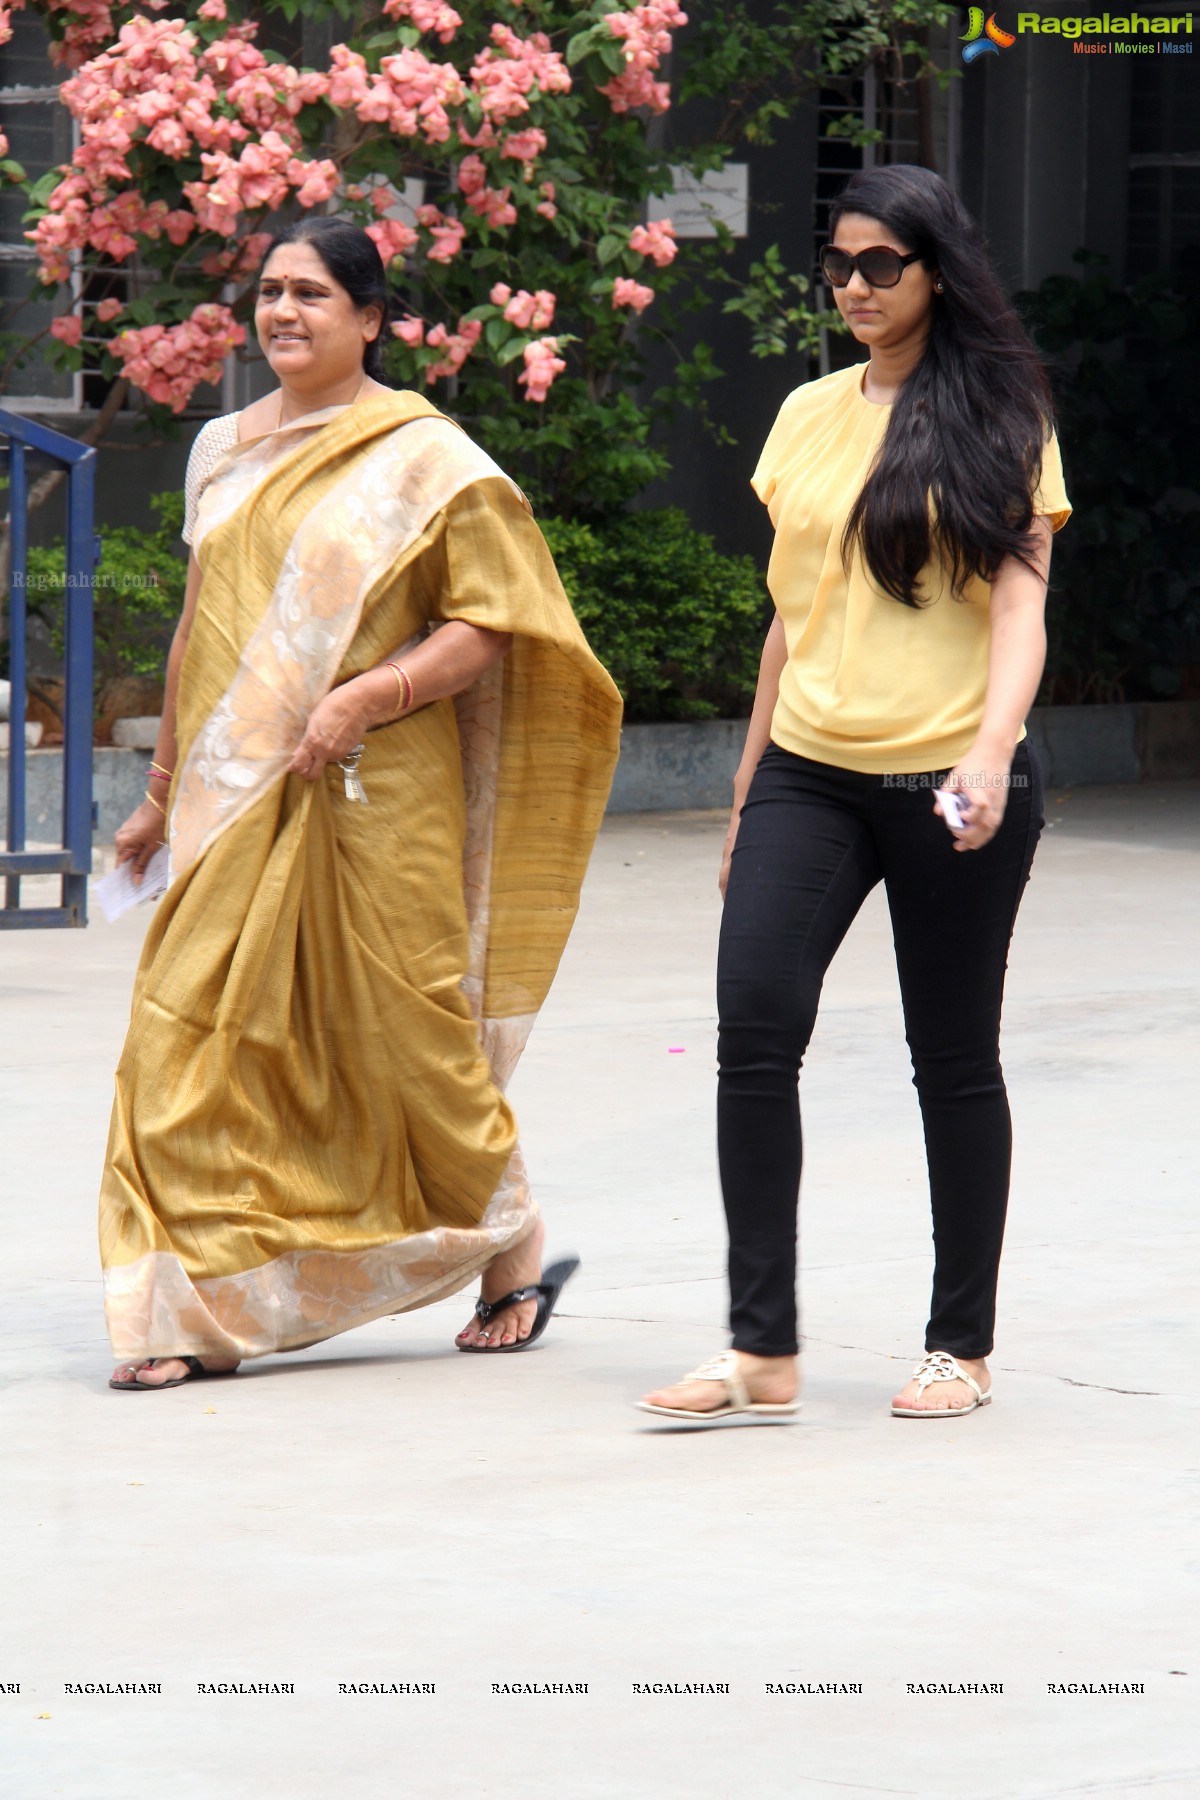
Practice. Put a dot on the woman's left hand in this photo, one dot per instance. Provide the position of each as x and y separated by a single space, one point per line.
980 780
335 725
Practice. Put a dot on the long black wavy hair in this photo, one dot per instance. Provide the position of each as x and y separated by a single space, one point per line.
969 425
355 264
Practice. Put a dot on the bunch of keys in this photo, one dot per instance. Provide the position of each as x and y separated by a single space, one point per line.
349 768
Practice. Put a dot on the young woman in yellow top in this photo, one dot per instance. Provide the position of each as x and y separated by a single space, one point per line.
913 500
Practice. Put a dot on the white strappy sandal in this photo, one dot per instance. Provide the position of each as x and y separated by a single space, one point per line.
724 1369
939 1365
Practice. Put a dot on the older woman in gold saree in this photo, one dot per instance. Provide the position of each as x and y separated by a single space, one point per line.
310 1129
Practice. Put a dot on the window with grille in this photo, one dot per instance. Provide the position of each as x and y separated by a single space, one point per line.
39 131
919 123
1164 167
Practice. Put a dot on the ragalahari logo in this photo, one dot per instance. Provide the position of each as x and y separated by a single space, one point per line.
982 39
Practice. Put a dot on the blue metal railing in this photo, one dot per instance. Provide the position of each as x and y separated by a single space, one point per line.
74 861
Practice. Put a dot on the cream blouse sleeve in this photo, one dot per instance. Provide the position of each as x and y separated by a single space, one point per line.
211 443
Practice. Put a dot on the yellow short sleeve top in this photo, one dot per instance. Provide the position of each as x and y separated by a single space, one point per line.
869 684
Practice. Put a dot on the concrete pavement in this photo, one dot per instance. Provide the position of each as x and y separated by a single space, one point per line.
383 1511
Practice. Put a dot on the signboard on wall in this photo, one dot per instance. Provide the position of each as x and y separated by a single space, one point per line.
699 203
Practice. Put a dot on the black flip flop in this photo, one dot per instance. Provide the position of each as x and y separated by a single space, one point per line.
196 1372
545 1292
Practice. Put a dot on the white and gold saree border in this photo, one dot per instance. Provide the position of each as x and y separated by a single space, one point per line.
154 1308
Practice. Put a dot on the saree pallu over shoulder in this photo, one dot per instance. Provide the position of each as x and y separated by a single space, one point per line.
359 522
310 1129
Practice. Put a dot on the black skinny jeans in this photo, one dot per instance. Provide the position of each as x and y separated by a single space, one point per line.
812 843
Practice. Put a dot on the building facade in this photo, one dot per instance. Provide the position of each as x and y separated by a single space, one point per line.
1054 147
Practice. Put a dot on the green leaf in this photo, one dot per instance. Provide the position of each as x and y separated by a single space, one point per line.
41 190
582 44
610 247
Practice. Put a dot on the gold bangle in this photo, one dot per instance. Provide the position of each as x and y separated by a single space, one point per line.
406 689
156 768
154 802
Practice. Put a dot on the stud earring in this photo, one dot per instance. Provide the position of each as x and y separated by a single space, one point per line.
937 287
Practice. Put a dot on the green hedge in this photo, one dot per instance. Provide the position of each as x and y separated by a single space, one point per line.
1123 618
137 594
678 624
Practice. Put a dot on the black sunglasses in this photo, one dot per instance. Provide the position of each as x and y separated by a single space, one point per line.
880 266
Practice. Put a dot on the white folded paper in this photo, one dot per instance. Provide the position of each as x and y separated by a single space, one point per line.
118 892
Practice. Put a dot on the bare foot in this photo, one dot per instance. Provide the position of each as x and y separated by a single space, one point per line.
945 1396
774 1380
154 1371
516 1268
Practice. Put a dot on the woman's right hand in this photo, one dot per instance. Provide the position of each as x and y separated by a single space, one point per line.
143 832
735 819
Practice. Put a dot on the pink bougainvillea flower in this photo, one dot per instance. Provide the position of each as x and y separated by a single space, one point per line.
231 57
107 310
447 234
426 15
646 31
472 176
410 95
456 346
546 206
503 77
216 201
392 238
543 309
529 312
494 206
542 365
179 225
483 139
169 362
501 294
410 331
88 28
526 146
348 85
67 328
170 137
656 240
631 293
315 182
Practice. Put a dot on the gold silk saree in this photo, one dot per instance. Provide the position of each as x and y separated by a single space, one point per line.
310 1128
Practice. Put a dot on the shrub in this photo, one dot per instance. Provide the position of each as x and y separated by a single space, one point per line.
1124 614
678 624
137 594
